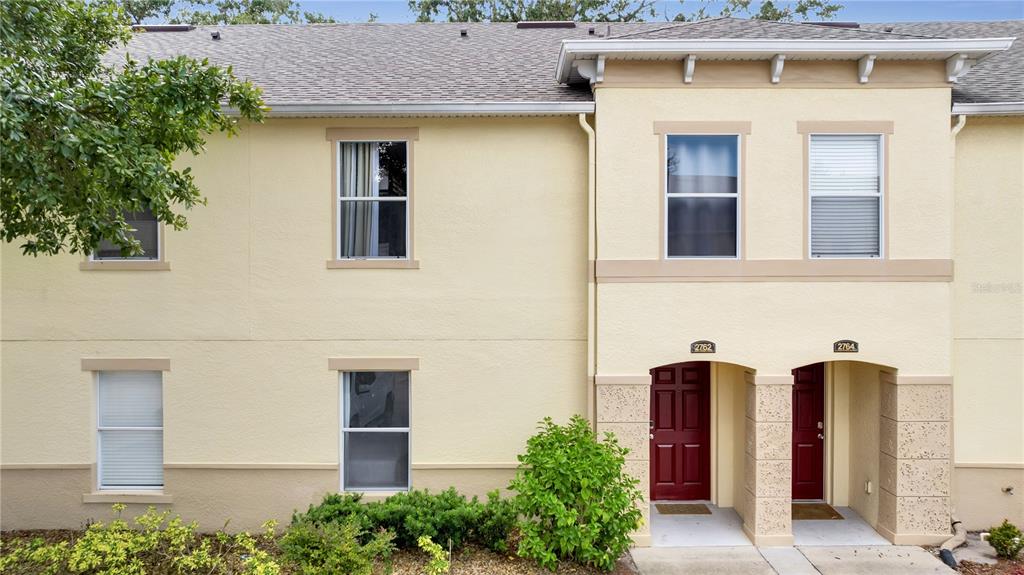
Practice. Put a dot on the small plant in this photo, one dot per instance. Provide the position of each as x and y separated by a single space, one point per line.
440 560
497 521
154 545
1006 539
335 547
574 499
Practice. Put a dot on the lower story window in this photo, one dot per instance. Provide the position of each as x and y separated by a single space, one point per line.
130 430
375 430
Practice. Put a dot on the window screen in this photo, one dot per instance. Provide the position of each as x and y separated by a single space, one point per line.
702 207
147 231
375 426
130 429
846 195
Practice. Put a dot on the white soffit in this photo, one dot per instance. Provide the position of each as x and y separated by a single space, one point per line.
427 109
759 49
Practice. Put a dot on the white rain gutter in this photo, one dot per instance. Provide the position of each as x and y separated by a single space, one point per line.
989 109
754 49
429 109
591 259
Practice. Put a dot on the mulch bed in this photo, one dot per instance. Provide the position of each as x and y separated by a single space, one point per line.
1003 567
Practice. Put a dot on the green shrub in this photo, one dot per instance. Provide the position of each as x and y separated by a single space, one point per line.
331 548
439 563
446 517
154 545
574 499
1006 539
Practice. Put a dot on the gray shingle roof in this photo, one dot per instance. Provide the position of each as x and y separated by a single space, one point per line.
998 78
736 28
494 63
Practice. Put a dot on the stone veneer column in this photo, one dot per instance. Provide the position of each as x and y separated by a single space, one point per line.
623 408
914 463
767 508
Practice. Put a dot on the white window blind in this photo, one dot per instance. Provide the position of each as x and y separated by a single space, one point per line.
846 195
130 430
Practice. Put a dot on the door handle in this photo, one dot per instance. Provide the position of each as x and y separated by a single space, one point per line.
821 436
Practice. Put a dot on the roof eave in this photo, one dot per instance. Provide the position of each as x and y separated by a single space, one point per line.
989 109
718 48
300 110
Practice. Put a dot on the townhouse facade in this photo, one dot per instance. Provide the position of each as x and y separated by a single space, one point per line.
780 262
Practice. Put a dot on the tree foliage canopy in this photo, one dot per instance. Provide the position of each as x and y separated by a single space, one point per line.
244 12
84 141
609 10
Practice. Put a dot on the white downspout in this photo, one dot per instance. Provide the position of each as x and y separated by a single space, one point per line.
961 121
591 257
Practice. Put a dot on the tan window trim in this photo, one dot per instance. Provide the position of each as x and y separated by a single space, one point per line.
741 130
885 130
125 265
796 270
409 135
126 364
373 363
156 497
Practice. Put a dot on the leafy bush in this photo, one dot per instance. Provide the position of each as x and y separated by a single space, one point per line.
439 563
574 499
1006 539
156 545
335 547
444 517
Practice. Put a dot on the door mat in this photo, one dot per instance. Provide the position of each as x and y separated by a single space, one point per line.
682 509
814 511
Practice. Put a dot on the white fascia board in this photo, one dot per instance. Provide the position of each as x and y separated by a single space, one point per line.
989 109
430 109
922 49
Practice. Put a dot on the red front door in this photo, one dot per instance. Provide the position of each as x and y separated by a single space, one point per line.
809 432
681 431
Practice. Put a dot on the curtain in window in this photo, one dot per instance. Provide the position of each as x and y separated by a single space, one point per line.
359 171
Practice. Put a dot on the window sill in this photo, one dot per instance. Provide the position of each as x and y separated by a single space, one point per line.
374 495
125 265
127 497
373 264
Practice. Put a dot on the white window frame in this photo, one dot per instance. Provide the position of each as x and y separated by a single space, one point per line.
99 440
343 426
737 196
880 195
338 199
159 251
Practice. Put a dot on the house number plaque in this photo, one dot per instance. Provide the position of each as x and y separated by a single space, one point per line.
845 346
702 346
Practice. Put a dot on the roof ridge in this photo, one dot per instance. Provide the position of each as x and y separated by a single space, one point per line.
845 30
668 26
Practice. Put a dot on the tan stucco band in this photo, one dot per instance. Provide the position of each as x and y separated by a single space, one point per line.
493 465
987 465
701 127
127 497
373 363
374 264
250 465
773 380
863 127
622 379
372 134
22 466
919 379
637 271
126 364
125 265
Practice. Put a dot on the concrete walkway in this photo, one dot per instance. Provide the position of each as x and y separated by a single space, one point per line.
749 560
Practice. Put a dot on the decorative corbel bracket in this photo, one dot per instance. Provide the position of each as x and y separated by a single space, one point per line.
864 68
778 61
592 70
956 66
688 65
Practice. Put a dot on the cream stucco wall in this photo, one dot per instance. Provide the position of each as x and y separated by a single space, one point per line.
249 313
988 321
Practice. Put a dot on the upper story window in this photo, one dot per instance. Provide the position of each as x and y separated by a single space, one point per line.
146 229
702 203
373 200
130 430
845 195
375 430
